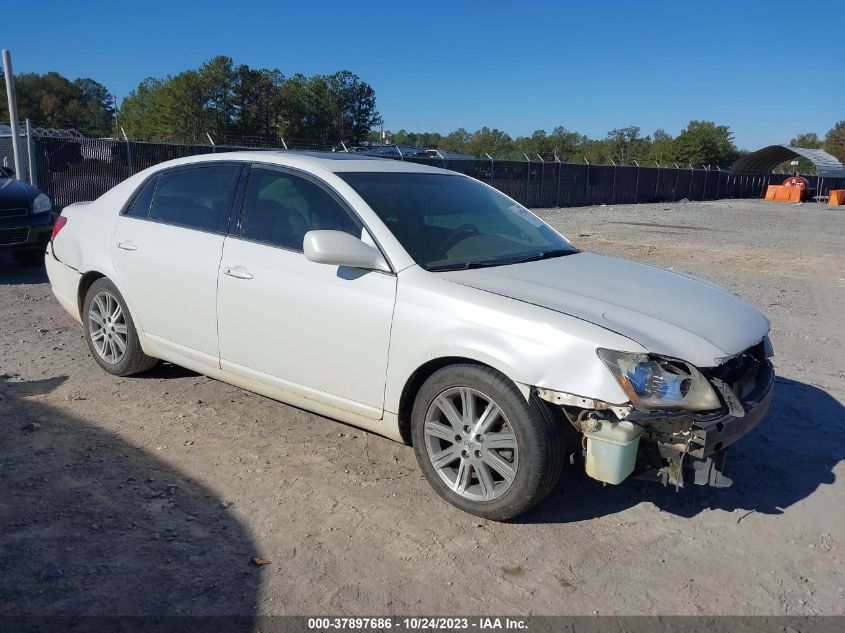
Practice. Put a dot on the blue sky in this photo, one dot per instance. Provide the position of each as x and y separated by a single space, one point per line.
768 69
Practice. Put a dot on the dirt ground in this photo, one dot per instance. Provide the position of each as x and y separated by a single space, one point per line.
150 495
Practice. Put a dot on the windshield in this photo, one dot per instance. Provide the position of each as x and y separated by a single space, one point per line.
449 222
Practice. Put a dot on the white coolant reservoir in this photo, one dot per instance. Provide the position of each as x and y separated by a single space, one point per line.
611 449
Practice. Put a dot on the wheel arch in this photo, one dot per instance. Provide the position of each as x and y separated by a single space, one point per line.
85 282
88 278
415 382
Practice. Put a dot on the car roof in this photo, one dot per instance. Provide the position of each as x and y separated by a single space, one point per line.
329 161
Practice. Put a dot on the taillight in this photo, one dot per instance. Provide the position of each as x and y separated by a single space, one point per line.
60 222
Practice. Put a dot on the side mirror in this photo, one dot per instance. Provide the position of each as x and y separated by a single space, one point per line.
337 248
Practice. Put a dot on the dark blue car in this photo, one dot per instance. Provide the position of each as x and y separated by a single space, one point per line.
26 219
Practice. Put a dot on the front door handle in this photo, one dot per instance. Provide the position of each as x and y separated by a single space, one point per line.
238 272
127 246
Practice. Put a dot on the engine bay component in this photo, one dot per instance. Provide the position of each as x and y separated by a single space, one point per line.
564 399
611 449
684 444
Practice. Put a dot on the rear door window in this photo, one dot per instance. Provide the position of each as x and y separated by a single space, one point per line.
196 198
140 208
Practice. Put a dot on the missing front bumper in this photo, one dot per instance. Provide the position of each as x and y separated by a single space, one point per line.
697 455
673 448
680 470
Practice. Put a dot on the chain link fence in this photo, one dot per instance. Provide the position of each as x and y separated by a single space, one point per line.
71 168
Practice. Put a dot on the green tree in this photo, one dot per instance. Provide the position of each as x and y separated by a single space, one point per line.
428 139
565 143
142 112
354 104
542 145
705 143
455 141
51 100
810 140
625 145
413 139
257 102
662 149
236 102
328 108
402 137
834 141
593 151
173 109
296 107
214 83
187 116
485 141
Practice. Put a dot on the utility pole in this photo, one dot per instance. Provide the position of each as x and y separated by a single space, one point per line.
30 154
116 121
13 113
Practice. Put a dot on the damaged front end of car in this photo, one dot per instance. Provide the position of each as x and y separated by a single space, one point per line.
679 421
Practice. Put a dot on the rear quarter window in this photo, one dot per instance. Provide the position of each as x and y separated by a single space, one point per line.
140 207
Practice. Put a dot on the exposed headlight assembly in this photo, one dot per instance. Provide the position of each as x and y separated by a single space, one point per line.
654 382
41 203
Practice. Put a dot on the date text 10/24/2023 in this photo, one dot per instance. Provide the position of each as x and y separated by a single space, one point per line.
417 623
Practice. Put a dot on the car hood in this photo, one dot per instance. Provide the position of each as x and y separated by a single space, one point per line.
15 194
666 312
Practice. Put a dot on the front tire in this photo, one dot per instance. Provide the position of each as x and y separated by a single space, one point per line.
110 333
481 445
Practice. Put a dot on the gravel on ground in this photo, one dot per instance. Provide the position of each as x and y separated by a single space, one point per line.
152 495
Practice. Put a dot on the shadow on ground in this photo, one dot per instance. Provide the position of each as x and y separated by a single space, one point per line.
91 525
784 460
12 273
166 371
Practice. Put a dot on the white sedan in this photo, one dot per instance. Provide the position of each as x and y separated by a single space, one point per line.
422 305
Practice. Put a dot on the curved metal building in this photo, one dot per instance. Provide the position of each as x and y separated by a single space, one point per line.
763 161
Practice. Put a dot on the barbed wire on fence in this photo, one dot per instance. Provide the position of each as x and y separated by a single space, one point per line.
57 133
70 168
341 145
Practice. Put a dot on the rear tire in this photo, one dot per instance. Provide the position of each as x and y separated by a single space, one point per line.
494 462
110 333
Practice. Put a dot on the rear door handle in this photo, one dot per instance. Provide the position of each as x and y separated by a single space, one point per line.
238 272
127 246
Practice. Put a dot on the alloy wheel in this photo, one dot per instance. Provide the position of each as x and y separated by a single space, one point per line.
471 444
107 327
